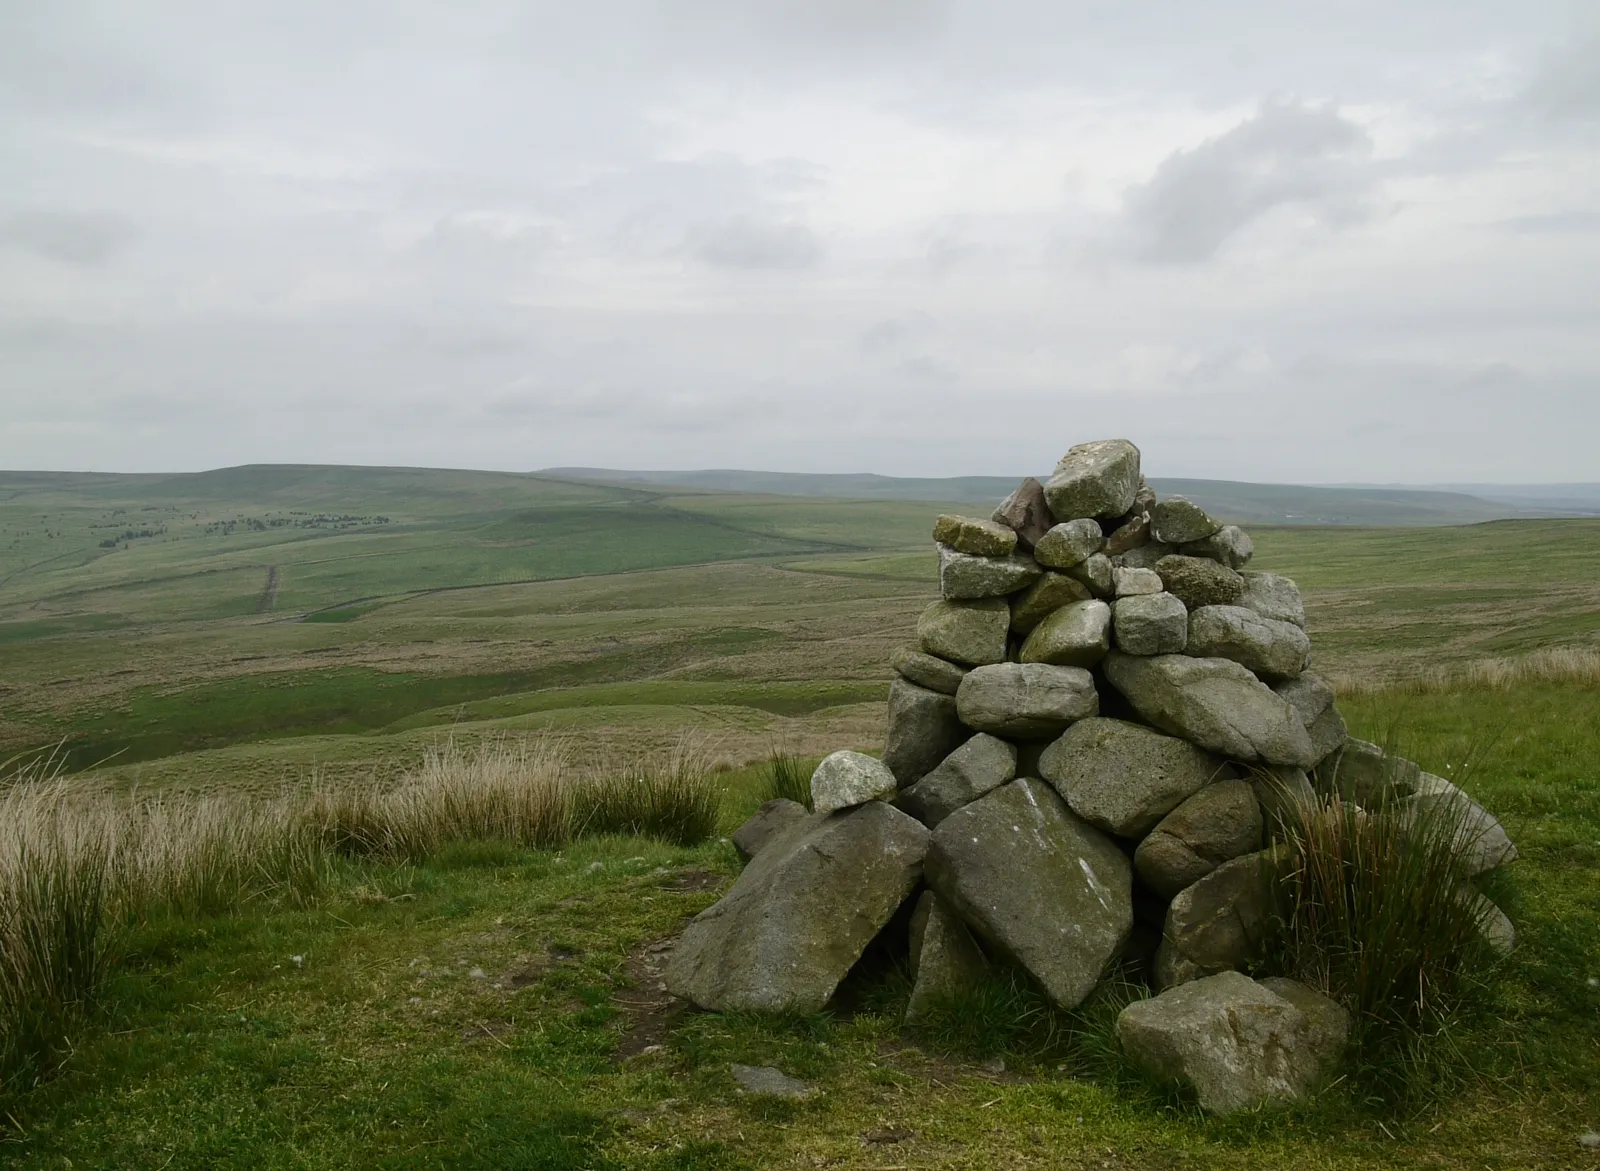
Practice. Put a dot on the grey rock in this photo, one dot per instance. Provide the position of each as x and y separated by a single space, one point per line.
764 1080
1328 734
924 728
1046 889
1283 793
927 670
1095 572
1045 596
1099 479
1272 596
801 913
972 633
963 577
1218 923
1127 582
766 823
1026 513
1481 842
1069 544
1197 581
1130 532
1365 774
1145 556
945 960
1229 545
979 766
1077 635
1123 777
1271 649
1214 703
848 778
1217 824
1026 700
1177 520
1494 926
1236 1043
1311 696
1329 1020
1150 624
969 534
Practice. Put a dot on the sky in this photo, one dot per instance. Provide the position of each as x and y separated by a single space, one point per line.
1264 239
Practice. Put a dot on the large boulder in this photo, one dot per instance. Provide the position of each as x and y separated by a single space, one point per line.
1150 624
945 960
979 766
1480 841
1045 888
1123 777
766 823
969 534
1215 703
1366 774
1026 700
927 670
973 633
1069 544
801 914
1311 696
963 576
1177 520
1026 513
1272 596
1199 581
848 778
924 728
1077 635
1219 923
1235 1043
1099 479
1043 598
1229 545
1271 649
1217 824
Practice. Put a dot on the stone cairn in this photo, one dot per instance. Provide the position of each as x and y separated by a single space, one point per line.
1087 748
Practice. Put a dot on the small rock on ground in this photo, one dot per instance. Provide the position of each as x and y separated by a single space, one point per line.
763 1079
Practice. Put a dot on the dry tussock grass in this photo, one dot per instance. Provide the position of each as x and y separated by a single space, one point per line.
1550 665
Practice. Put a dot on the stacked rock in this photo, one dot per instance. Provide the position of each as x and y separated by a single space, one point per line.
1103 717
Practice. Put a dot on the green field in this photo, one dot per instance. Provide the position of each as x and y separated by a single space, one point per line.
279 624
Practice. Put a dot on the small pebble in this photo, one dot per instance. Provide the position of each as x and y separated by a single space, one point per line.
593 866
415 1000
478 974
995 1065
1589 1140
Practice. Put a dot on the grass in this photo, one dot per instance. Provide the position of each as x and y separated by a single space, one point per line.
786 778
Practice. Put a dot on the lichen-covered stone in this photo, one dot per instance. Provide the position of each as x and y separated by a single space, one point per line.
1150 624
1364 773
1122 777
847 778
1026 700
1311 696
1214 703
1127 582
927 670
1026 513
1269 648
1177 520
969 534
766 823
1045 596
1043 887
1094 572
801 913
1272 596
979 766
963 576
924 728
1069 544
1218 923
945 960
972 633
1077 635
1229 545
1198 581
1099 479
1220 822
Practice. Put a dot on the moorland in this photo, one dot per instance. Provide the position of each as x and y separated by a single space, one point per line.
238 632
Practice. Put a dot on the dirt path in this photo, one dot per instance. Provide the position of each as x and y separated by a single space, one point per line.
269 592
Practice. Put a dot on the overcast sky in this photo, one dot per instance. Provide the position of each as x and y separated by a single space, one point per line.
1264 239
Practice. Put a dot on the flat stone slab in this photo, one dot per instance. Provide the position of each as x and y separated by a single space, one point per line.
770 820
970 633
963 576
801 913
1027 700
1199 581
927 670
766 1081
969 534
1042 886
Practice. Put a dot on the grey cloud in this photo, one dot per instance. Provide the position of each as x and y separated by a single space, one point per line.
744 242
1559 223
1288 153
1567 87
75 238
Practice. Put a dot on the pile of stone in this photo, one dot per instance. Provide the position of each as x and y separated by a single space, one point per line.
1102 720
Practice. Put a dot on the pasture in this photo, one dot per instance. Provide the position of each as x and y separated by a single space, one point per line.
247 631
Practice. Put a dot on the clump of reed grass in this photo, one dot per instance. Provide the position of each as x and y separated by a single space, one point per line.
1548 665
1373 907
785 775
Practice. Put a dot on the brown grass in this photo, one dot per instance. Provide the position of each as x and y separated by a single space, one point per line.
1550 665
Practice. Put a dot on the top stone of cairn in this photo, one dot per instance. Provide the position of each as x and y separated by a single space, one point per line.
1098 479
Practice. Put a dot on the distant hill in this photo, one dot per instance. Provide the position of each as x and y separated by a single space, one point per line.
1253 503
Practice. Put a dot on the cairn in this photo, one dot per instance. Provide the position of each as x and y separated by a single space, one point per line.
1087 748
